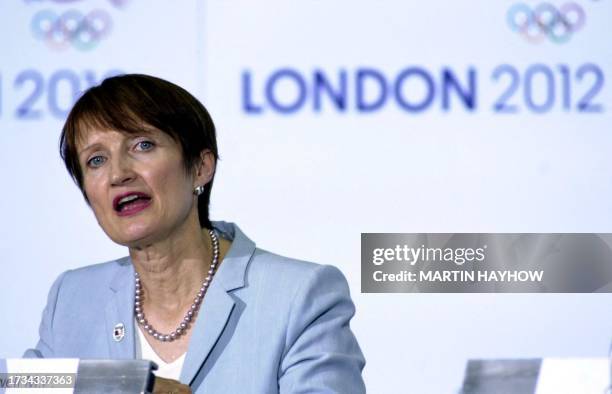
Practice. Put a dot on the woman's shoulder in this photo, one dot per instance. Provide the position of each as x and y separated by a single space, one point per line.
275 266
95 276
292 275
265 260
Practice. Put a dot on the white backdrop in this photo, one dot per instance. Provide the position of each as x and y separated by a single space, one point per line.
306 182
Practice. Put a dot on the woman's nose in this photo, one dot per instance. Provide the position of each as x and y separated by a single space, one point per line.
121 171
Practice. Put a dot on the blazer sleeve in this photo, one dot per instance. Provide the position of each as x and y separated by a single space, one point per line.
322 354
44 348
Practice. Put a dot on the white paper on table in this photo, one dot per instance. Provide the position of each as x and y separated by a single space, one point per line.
44 366
574 376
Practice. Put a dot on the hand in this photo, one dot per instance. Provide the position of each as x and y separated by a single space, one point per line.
169 386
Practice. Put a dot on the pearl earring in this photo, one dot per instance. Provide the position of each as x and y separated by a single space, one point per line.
198 190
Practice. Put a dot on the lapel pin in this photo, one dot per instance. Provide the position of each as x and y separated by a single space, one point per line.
118 332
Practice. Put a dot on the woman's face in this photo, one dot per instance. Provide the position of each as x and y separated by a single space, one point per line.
136 184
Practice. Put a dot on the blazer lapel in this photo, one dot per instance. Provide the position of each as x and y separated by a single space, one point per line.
212 318
218 303
120 311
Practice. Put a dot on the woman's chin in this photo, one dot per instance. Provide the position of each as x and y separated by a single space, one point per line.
133 237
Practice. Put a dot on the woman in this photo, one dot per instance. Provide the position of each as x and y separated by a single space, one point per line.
197 297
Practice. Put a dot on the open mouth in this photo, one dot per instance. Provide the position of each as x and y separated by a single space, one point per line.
130 202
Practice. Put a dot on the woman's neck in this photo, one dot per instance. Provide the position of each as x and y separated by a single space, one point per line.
171 271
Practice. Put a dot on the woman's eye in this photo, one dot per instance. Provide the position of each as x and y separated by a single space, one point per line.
96 161
145 145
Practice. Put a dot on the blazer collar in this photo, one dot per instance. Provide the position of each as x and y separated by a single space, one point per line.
214 312
232 271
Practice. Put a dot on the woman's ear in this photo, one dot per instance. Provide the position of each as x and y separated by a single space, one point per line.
205 168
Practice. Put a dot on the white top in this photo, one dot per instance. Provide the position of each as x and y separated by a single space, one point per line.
144 351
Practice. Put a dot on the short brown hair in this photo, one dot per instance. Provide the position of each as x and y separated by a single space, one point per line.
128 103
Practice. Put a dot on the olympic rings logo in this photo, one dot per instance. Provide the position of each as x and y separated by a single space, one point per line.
116 3
546 21
72 28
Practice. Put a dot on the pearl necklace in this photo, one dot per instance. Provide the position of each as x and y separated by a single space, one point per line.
185 324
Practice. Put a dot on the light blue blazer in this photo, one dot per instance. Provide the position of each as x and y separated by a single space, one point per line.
268 324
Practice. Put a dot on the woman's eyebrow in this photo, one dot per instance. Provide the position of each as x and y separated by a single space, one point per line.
90 147
149 131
